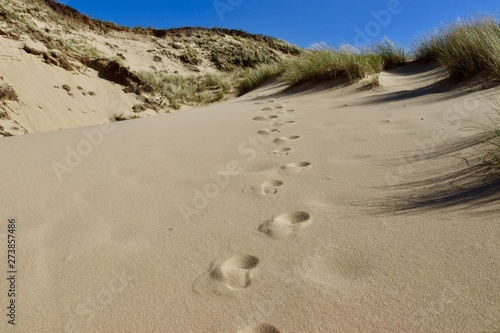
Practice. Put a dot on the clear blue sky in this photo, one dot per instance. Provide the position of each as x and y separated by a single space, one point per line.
301 22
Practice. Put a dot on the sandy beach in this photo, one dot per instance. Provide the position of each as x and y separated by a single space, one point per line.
279 211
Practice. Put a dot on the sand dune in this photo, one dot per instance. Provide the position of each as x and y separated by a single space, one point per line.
267 213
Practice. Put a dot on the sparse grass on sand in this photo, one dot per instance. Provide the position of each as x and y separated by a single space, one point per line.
180 89
465 48
83 48
254 77
7 93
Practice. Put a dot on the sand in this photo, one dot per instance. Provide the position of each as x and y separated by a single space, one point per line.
273 212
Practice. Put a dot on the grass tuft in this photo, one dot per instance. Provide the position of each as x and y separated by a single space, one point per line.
392 54
253 77
465 48
325 64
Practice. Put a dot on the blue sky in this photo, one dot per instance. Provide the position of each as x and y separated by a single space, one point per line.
301 22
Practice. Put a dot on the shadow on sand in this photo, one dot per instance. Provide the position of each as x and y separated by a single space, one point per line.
472 185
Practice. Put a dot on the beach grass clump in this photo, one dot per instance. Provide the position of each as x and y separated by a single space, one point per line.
392 54
253 77
188 90
215 81
465 48
326 64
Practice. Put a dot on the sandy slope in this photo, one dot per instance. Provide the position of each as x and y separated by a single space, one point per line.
122 239
44 103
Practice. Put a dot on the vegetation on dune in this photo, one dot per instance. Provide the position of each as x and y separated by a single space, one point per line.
191 56
253 77
82 48
392 54
241 54
179 89
465 48
7 93
326 64
179 33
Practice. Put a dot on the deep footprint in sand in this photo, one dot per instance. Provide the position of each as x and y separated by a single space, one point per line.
286 225
281 152
268 131
286 139
293 168
260 328
236 272
265 118
267 109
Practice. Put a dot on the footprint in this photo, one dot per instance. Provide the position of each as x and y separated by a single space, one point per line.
286 139
268 131
267 109
265 118
286 225
236 272
278 107
293 168
286 111
270 187
261 328
284 123
281 152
